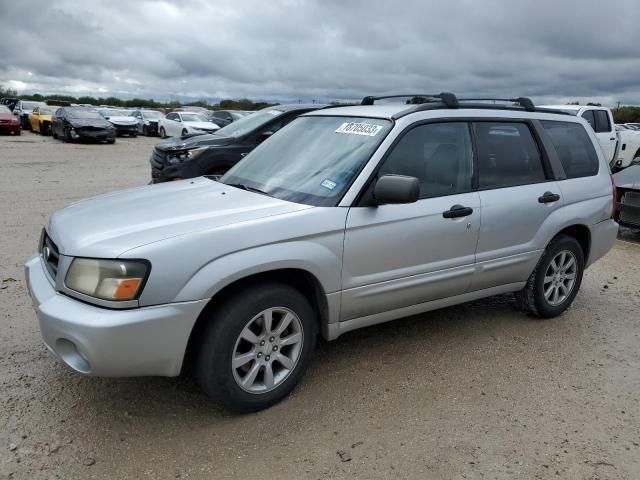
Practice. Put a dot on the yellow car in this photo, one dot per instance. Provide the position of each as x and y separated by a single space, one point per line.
40 119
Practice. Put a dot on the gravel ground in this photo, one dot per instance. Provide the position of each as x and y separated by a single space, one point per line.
475 391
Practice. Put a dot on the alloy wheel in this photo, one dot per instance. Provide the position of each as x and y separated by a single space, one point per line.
267 350
560 277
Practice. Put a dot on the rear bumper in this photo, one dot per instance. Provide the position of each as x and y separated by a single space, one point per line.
603 236
115 343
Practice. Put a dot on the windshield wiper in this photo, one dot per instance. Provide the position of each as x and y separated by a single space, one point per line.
248 188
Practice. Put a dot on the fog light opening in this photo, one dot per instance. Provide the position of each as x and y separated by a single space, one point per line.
70 355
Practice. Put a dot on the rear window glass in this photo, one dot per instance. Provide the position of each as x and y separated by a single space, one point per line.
574 148
507 155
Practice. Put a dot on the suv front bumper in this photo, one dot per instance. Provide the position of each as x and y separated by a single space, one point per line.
113 343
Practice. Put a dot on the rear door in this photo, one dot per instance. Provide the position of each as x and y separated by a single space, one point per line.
396 256
517 195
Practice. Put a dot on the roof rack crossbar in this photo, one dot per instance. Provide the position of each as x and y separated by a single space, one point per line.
524 102
449 99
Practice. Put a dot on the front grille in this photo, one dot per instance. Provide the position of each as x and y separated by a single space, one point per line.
153 127
630 215
50 255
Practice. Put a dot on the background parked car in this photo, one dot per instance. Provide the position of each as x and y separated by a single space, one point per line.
225 117
40 119
22 110
71 123
9 102
147 120
177 124
217 153
123 122
628 196
9 123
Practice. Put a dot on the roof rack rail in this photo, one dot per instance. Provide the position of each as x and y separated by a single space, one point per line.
447 98
524 102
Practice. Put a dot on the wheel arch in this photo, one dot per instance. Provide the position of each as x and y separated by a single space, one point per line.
582 234
300 279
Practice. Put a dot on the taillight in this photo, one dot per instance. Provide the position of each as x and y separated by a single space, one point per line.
615 198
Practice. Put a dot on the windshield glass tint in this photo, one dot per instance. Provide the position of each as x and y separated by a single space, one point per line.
313 160
83 113
193 117
249 123
29 105
152 114
48 110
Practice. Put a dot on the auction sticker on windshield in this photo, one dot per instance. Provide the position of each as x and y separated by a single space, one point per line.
356 128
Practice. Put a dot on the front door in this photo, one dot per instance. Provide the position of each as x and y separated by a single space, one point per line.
396 256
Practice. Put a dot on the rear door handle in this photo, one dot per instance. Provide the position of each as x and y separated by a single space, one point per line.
549 197
457 211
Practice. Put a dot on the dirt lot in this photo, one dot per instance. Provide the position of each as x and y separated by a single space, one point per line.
475 391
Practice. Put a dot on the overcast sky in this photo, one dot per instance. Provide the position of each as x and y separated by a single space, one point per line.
556 50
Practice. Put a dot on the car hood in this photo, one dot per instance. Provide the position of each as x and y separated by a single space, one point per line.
89 122
628 178
206 125
108 225
7 116
193 142
123 120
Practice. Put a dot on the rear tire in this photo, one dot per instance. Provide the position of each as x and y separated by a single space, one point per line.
275 353
555 282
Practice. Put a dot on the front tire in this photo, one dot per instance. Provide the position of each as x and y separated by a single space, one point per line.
163 133
256 347
555 282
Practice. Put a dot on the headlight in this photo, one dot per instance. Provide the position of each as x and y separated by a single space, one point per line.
115 280
183 156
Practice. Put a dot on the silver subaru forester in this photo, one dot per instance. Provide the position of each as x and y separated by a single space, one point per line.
345 218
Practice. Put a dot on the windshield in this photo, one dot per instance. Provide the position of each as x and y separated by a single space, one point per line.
312 161
152 114
4 110
249 123
83 113
48 110
29 105
193 117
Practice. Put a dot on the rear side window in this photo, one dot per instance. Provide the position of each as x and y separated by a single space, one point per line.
574 148
507 155
602 121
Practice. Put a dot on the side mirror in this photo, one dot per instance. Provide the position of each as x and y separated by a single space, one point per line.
396 189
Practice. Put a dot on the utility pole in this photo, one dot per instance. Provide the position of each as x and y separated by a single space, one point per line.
618 105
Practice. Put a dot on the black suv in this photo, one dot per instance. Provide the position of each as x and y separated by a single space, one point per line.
214 154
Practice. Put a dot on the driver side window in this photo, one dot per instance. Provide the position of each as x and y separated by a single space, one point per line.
439 155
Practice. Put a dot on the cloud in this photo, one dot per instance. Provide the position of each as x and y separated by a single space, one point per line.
293 49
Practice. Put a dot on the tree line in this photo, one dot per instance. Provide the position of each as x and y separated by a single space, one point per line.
242 104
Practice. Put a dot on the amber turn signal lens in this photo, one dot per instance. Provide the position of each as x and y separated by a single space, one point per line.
127 289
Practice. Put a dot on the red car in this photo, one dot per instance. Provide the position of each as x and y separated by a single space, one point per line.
9 123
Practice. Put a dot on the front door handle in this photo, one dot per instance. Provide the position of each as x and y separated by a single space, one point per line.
457 211
549 197
612 138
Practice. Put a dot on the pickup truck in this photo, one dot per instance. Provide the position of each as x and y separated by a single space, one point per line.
621 148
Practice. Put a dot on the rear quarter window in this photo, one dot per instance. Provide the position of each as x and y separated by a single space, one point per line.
574 147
